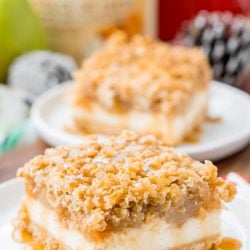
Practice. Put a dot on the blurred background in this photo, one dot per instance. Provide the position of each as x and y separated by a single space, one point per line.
42 42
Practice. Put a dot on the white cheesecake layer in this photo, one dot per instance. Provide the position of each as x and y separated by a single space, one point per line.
147 122
154 235
187 120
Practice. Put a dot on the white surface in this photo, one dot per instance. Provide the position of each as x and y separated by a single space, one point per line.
50 114
236 221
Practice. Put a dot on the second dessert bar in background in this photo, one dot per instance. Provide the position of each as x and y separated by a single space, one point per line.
143 85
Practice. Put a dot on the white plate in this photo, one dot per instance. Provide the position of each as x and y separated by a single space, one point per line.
236 220
50 114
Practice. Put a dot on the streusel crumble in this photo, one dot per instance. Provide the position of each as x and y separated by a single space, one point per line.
123 182
142 74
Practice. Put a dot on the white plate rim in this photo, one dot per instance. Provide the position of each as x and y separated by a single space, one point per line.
8 183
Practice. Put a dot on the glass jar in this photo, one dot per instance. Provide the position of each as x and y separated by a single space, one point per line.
77 27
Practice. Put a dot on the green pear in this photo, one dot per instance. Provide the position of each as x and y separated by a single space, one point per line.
20 31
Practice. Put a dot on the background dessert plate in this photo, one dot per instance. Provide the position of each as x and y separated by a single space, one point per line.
51 113
236 222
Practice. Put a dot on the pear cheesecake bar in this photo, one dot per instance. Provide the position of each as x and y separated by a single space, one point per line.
143 85
125 192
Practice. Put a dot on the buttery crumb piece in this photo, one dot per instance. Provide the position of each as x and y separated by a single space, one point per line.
123 181
141 74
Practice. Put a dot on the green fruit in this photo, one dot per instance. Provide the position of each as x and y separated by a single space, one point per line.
20 31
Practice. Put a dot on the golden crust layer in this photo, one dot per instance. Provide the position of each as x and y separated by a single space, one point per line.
122 182
142 74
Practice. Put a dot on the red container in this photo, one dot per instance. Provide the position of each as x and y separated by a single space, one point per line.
173 12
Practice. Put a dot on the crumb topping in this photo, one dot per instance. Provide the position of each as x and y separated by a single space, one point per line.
141 73
122 181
